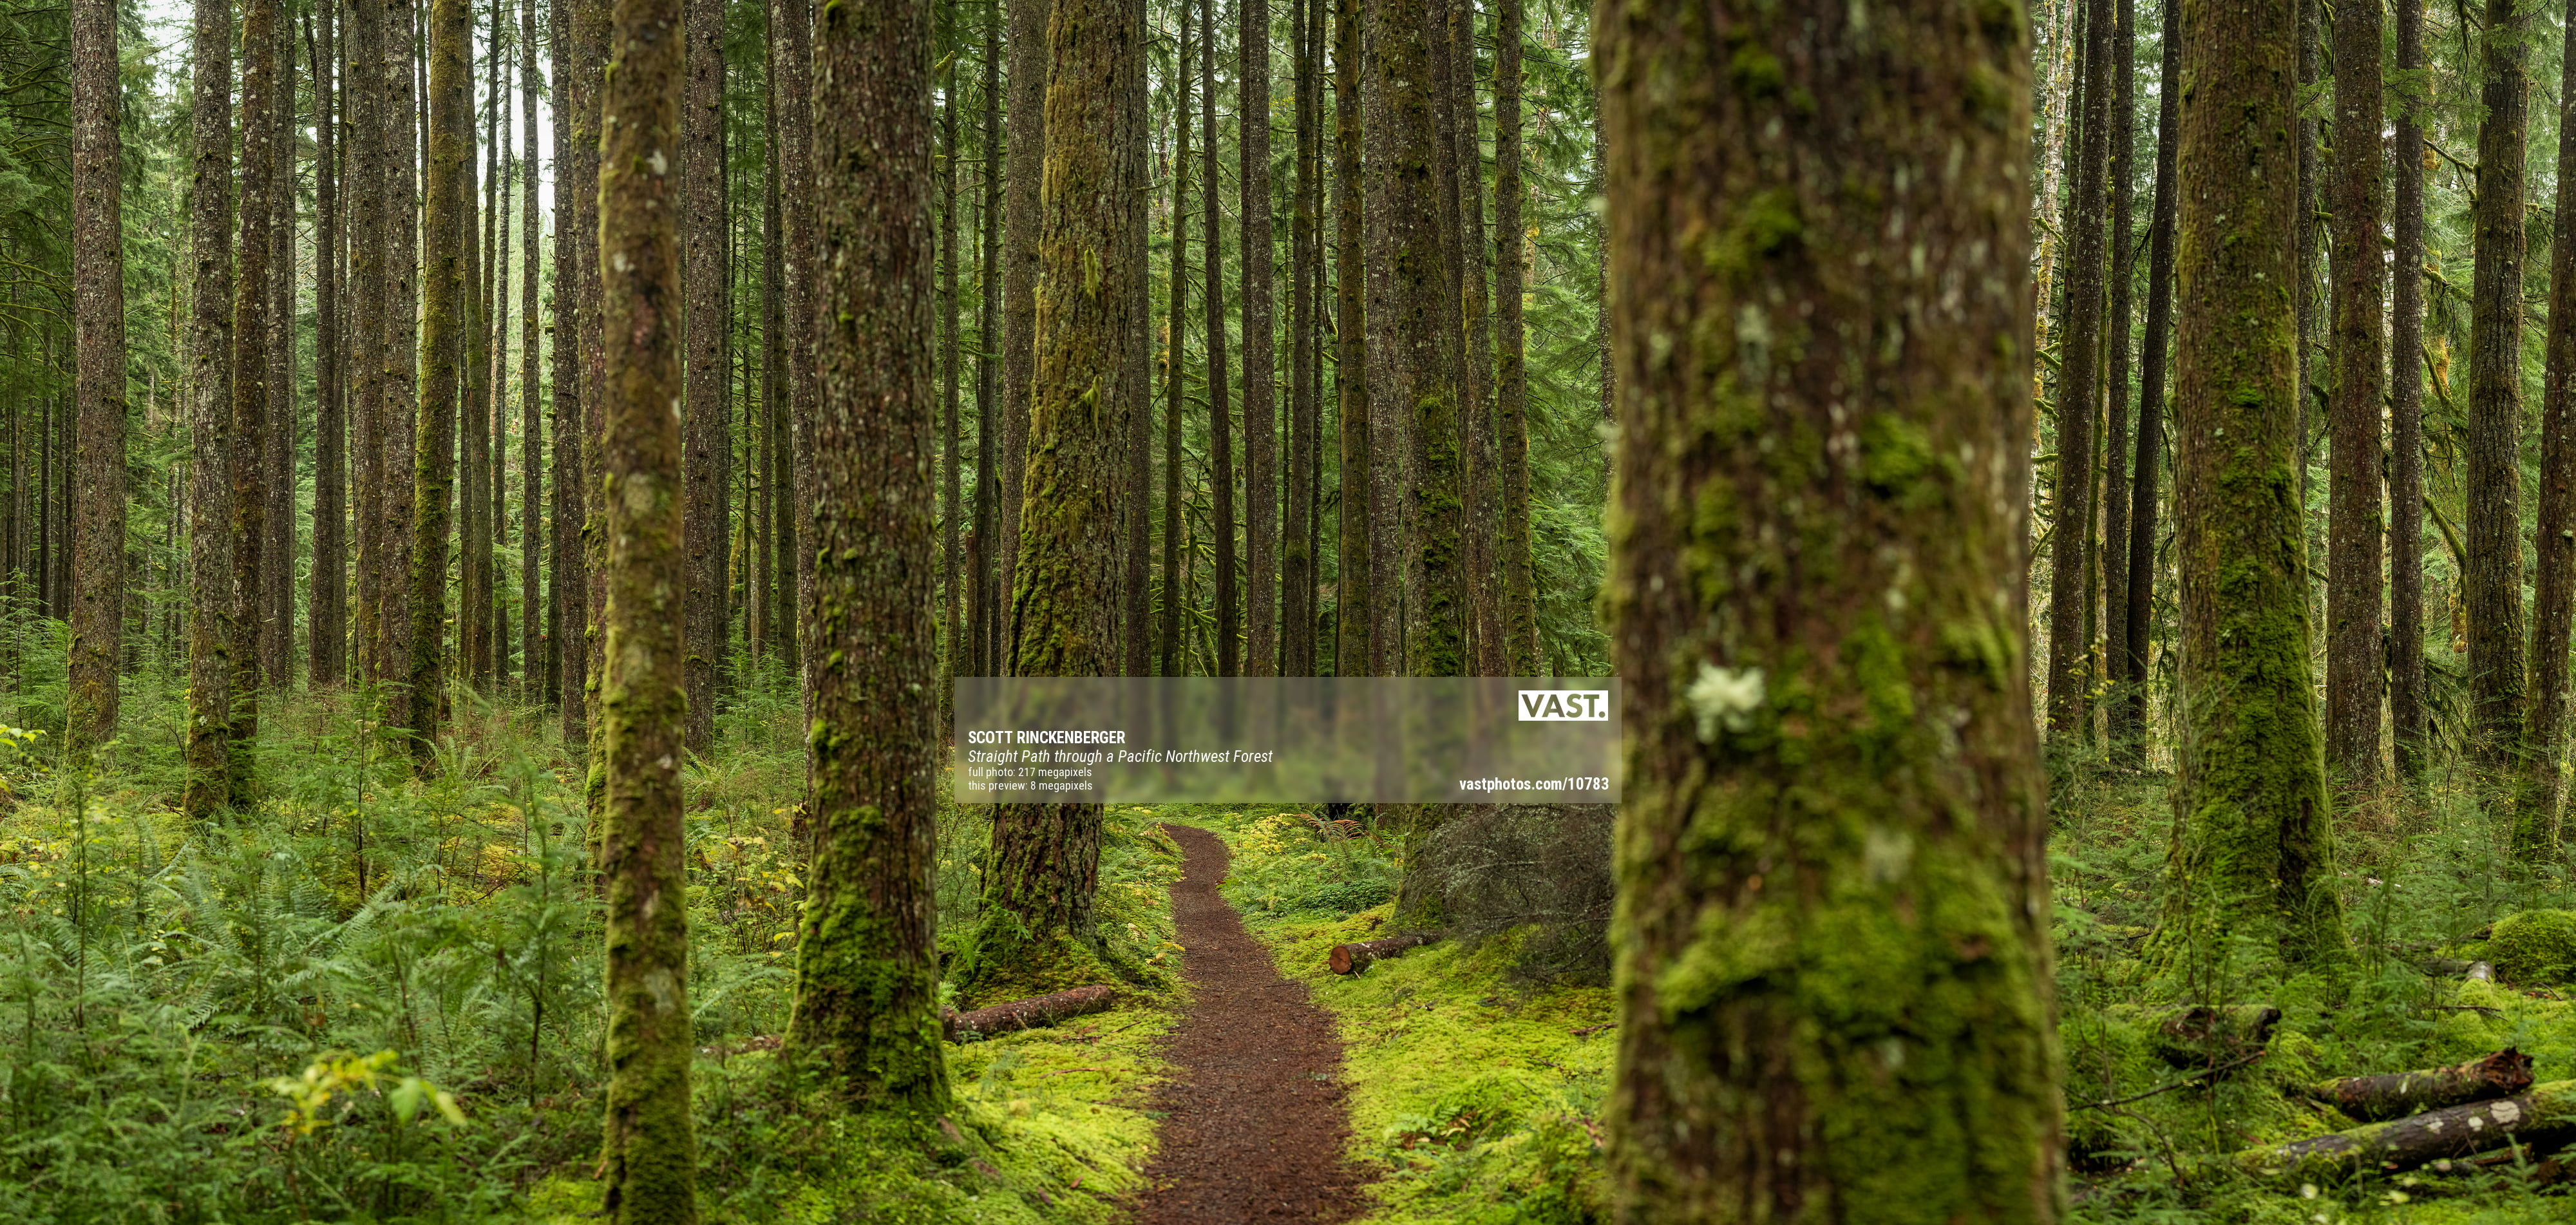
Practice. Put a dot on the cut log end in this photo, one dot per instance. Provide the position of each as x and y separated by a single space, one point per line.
1027 1014
1352 958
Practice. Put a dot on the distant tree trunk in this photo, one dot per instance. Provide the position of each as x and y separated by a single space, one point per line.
2353 654
1481 487
962 654
368 223
702 265
277 479
1220 409
576 198
2406 409
1136 508
2139 606
1296 547
649 1158
781 600
2535 826
400 405
1405 291
1025 132
252 295
446 315
473 439
794 69
1174 656
1041 875
1774 726
2079 393
210 414
328 601
98 388
2251 853
1519 616
867 967
492 420
2492 586
537 669
997 418
2305 288
594 41
1355 650
2112 544
1260 361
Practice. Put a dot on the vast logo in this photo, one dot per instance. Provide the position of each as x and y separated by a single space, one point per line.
1565 705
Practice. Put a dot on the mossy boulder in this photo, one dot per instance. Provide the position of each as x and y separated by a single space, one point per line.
2535 946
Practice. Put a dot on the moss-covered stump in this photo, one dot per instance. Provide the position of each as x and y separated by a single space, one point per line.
2535 946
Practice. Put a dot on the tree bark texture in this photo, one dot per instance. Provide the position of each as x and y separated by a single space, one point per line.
252 299
2111 543
1260 351
576 198
1354 618
650 1150
1518 621
98 379
2139 606
327 603
1822 882
2079 394
210 412
2492 586
446 316
2354 657
1173 655
867 970
705 404
1025 151
2535 823
536 667
2406 717
1221 471
1297 561
400 403
2251 851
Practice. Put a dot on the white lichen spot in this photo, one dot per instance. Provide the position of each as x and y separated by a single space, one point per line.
1724 697
2506 1113
1887 853
617 260
661 165
664 988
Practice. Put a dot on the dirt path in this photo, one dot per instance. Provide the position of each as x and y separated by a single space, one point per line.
1256 1122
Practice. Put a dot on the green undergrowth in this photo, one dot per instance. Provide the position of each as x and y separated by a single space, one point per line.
1474 1090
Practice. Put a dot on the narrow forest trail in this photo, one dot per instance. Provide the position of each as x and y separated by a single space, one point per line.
1256 1122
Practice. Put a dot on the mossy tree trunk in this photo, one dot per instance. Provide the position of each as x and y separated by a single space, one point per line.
2079 395
2492 586
365 183
1221 470
1354 616
2406 408
250 337
576 194
2354 657
867 967
2251 854
2130 745
650 1149
98 381
2113 540
399 404
446 314
536 663
1023 150
327 600
1832 932
2535 823
1518 619
705 405
1297 555
210 413
1260 354
1043 870
1173 657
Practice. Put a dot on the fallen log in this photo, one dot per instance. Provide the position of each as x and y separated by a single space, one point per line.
2205 1035
1353 958
1028 1013
2542 1117
2394 1095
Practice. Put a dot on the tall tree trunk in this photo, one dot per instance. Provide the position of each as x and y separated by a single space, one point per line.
2492 587
1518 621
1175 657
702 266
536 669
2353 653
1408 303
1296 546
963 657
2535 825
1220 409
1136 507
1025 151
447 314
993 420
1355 650
1758 1078
2111 546
2130 746
594 41
649 1157
368 272
867 966
1041 874
401 387
2079 394
2306 290
98 380
2251 853
1482 485
1260 361
277 480
773 391
252 298
794 19
496 378
328 600
210 414
576 196
478 525
2406 408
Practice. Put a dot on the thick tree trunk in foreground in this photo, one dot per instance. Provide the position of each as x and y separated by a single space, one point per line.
210 414
1044 866
650 1152
1412 381
2406 412
867 970
2492 587
705 406
1774 733
98 381
2353 654
2535 822
2251 855
2079 397
446 313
